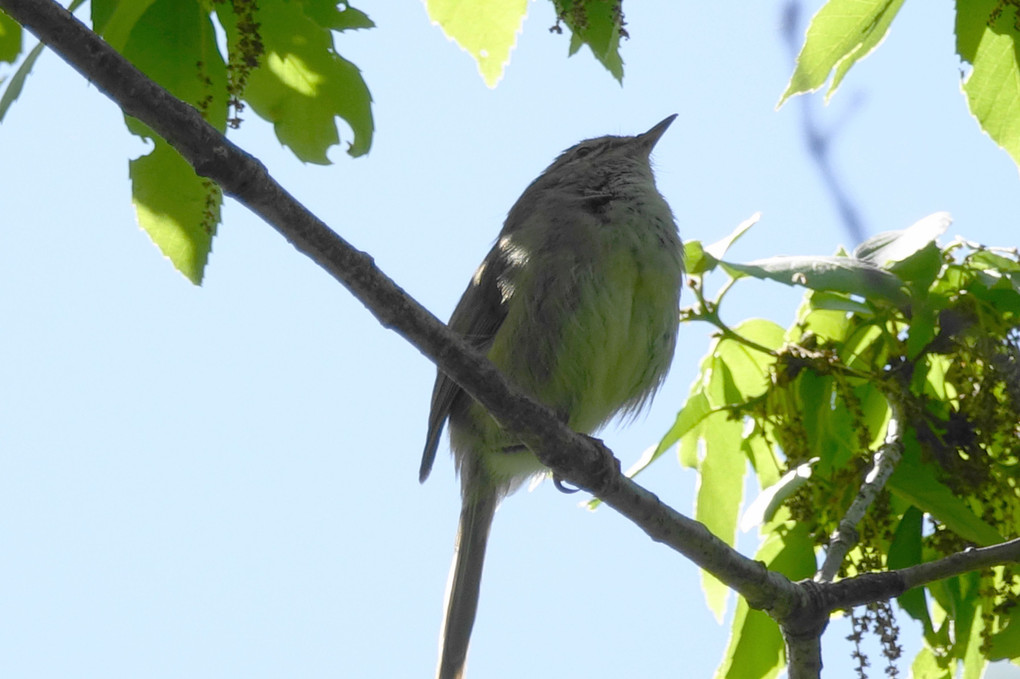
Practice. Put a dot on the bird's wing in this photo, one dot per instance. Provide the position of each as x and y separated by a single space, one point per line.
478 316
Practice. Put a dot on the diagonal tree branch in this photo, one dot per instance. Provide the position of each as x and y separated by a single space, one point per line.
580 460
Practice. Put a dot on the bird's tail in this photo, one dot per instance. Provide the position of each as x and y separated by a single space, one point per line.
465 579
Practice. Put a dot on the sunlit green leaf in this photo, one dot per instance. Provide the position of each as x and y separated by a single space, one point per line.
919 270
839 301
720 491
176 208
339 17
935 369
487 31
761 331
764 507
115 20
1006 643
761 456
755 649
993 85
696 260
10 38
922 330
860 345
719 248
990 260
179 210
895 246
830 325
904 551
916 482
974 660
690 416
831 433
839 274
748 366
598 24
929 666
302 85
842 33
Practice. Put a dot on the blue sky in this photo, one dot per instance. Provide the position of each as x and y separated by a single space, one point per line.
222 481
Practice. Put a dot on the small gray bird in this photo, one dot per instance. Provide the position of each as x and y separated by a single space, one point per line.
577 303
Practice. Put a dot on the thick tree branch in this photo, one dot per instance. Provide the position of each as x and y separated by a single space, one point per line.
577 459
802 633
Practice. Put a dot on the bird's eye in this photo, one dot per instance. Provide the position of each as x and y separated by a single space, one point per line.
583 152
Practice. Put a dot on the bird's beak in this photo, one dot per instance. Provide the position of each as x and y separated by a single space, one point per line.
651 137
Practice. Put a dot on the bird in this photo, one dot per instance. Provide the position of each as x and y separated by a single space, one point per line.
577 303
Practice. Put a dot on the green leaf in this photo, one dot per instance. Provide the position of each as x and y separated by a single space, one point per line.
485 30
339 17
690 416
696 260
10 38
689 427
17 81
839 301
922 330
718 249
828 324
10 47
759 453
986 37
929 666
174 43
178 209
836 274
935 369
912 254
730 373
920 269
302 84
768 502
860 345
842 33
895 246
115 20
916 482
747 366
830 429
720 492
755 649
1006 642
598 24
905 550
974 660
990 260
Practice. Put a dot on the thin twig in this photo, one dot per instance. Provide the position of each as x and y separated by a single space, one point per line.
886 458
869 587
709 313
